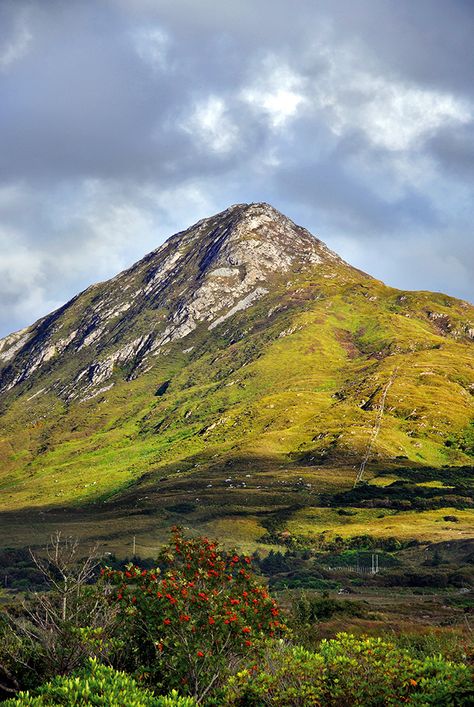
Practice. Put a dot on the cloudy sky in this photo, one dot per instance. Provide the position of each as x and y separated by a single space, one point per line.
123 121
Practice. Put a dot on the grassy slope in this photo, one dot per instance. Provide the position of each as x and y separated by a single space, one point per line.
282 401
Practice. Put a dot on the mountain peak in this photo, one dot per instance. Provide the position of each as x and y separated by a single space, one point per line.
199 277
255 236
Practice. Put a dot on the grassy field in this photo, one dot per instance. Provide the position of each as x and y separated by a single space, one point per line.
420 525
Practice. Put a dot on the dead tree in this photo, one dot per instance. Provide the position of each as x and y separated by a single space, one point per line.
66 573
72 620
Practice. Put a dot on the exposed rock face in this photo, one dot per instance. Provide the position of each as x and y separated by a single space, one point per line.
199 277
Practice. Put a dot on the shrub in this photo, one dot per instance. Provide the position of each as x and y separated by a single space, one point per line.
313 608
374 672
451 644
205 614
290 676
97 685
361 672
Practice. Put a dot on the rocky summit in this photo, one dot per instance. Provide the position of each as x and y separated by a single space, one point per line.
239 370
200 277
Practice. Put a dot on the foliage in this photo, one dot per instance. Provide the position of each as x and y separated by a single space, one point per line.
302 580
408 494
435 577
97 685
361 672
202 625
312 608
18 570
288 676
452 645
203 614
307 610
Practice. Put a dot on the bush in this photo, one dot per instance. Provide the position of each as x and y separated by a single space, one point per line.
290 676
361 672
313 608
96 685
374 672
451 644
188 626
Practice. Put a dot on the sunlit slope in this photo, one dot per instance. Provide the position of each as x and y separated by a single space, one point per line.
290 387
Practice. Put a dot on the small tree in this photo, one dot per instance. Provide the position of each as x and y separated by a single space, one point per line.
202 616
67 575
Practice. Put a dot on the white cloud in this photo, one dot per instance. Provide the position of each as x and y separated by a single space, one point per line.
278 92
211 125
17 45
397 116
151 45
169 203
393 114
24 291
90 231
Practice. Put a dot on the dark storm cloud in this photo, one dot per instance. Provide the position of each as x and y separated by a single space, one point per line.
121 122
428 41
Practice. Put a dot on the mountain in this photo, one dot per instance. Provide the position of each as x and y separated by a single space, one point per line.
240 369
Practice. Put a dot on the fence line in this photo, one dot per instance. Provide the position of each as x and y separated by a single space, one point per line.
376 428
358 569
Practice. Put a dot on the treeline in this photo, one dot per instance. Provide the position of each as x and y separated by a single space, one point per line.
402 495
316 562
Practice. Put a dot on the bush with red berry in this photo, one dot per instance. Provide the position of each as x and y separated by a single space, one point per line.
199 615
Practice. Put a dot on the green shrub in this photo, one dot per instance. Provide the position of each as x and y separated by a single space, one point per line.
97 685
374 672
290 676
451 644
307 609
361 672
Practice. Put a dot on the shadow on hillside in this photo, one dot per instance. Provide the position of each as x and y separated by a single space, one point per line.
204 490
196 491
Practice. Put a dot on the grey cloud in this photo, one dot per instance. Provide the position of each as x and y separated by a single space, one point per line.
121 122
455 150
